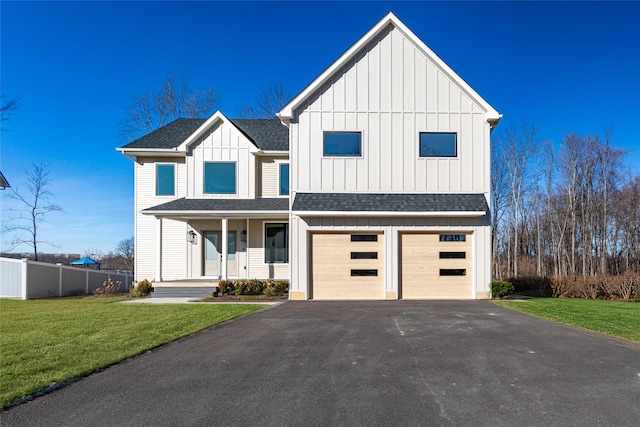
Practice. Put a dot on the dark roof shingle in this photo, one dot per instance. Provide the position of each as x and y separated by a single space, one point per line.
168 136
266 204
368 202
266 134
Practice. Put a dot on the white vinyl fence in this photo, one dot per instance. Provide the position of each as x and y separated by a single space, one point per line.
24 279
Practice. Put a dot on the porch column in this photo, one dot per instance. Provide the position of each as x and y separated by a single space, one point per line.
246 250
225 249
159 251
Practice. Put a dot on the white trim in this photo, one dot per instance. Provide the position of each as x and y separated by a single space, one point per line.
216 117
210 214
287 113
264 243
225 248
263 153
204 178
175 180
303 214
279 162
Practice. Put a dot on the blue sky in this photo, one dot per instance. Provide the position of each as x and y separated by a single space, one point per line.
569 67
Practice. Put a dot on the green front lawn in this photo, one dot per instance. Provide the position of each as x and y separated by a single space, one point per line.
621 319
44 342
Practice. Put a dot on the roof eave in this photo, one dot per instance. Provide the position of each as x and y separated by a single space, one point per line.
467 214
195 214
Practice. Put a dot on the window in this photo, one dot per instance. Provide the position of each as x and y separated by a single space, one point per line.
450 255
364 255
438 144
364 237
276 243
284 179
342 144
453 237
220 177
367 273
453 272
165 180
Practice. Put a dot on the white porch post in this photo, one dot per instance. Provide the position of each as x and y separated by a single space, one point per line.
159 251
246 250
225 249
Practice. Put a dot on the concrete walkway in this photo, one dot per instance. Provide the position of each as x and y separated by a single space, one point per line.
383 363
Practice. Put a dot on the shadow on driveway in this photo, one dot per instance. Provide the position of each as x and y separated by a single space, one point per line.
382 363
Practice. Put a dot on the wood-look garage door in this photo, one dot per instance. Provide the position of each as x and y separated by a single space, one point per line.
436 266
347 266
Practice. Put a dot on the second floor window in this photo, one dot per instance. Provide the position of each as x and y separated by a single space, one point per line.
438 144
220 177
347 144
165 180
284 179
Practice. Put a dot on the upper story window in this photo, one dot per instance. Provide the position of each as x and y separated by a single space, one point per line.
342 144
438 144
220 177
165 180
283 172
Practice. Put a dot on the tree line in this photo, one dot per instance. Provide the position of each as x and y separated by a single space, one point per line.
574 210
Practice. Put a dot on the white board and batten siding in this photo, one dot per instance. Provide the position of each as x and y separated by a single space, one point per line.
146 226
391 91
222 143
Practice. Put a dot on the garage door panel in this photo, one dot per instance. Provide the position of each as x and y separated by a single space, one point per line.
332 266
424 275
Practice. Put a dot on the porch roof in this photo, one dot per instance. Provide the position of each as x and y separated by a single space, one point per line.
195 208
447 204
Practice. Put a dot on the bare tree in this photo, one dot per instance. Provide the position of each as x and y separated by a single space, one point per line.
269 102
6 106
125 249
34 205
147 112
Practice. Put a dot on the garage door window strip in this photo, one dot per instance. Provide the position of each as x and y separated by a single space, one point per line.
453 237
367 273
453 272
364 237
364 255
453 255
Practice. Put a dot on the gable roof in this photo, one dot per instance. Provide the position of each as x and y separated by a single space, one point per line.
265 134
473 204
168 136
286 114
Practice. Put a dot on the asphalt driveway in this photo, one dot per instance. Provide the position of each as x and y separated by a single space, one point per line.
387 363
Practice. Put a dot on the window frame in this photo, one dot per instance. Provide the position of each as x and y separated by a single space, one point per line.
455 145
264 243
279 166
175 179
324 150
235 177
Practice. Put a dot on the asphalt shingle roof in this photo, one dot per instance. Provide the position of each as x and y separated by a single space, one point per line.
266 134
389 202
168 136
266 204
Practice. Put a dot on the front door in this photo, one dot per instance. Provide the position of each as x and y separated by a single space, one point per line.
213 254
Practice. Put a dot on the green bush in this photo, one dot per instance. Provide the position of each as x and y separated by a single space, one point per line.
501 288
254 287
142 289
241 287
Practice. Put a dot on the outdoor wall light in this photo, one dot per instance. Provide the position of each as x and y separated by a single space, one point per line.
243 236
192 237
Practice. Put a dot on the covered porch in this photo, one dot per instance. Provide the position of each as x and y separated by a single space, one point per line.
200 242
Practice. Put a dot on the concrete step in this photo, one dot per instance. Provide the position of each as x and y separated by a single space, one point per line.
182 291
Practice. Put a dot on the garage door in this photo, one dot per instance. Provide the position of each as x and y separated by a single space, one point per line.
347 266
436 266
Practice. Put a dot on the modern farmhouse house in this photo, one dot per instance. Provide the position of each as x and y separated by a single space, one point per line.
372 183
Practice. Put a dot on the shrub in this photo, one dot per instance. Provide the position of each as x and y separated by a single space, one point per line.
241 287
108 288
254 287
622 287
501 288
282 287
142 289
532 285
225 287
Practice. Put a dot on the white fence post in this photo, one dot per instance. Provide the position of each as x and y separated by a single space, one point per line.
59 278
25 269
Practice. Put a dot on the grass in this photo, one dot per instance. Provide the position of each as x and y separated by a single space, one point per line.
47 342
620 319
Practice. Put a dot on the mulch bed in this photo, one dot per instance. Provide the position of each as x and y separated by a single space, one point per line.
244 298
